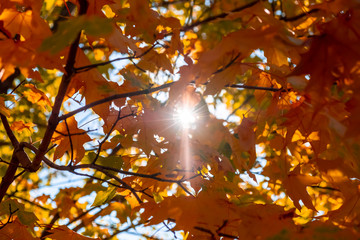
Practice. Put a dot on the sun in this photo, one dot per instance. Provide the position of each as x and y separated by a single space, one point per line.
186 117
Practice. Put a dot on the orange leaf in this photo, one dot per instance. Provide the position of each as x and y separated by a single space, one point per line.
63 232
78 138
15 231
3 109
295 185
20 126
37 96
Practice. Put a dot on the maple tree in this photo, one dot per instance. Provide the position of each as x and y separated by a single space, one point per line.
199 119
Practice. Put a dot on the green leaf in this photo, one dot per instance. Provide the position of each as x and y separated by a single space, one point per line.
97 26
112 161
68 31
225 149
27 218
18 209
103 197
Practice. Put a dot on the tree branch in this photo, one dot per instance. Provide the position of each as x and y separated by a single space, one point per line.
11 213
297 17
147 91
91 66
65 81
215 17
14 163
48 227
256 87
105 170
114 97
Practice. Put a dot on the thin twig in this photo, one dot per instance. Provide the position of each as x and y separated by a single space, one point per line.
22 82
71 144
108 135
218 16
48 227
297 17
81 215
11 213
95 65
114 97
28 201
75 134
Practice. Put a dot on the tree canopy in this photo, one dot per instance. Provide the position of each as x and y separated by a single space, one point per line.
188 119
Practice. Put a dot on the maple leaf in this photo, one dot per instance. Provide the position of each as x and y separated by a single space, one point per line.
37 96
65 131
295 184
18 22
63 232
21 126
274 86
3 109
16 231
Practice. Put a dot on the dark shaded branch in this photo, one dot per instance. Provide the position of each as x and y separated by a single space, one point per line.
65 81
14 163
9 132
82 215
239 9
228 65
95 65
297 17
71 144
184 188
8 82
117 231
48 227
114 97
91 219
105 170
75 134
21 83
11 213
256 87
221 15
91 166
206 231
98 46
28 201
91 66
147 91
108 134
326 188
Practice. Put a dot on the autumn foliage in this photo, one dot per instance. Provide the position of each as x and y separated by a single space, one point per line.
187 119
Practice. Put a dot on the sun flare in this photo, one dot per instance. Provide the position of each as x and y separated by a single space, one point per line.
186 117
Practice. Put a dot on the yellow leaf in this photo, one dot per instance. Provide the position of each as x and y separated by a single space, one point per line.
3 109
37 96
20 126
